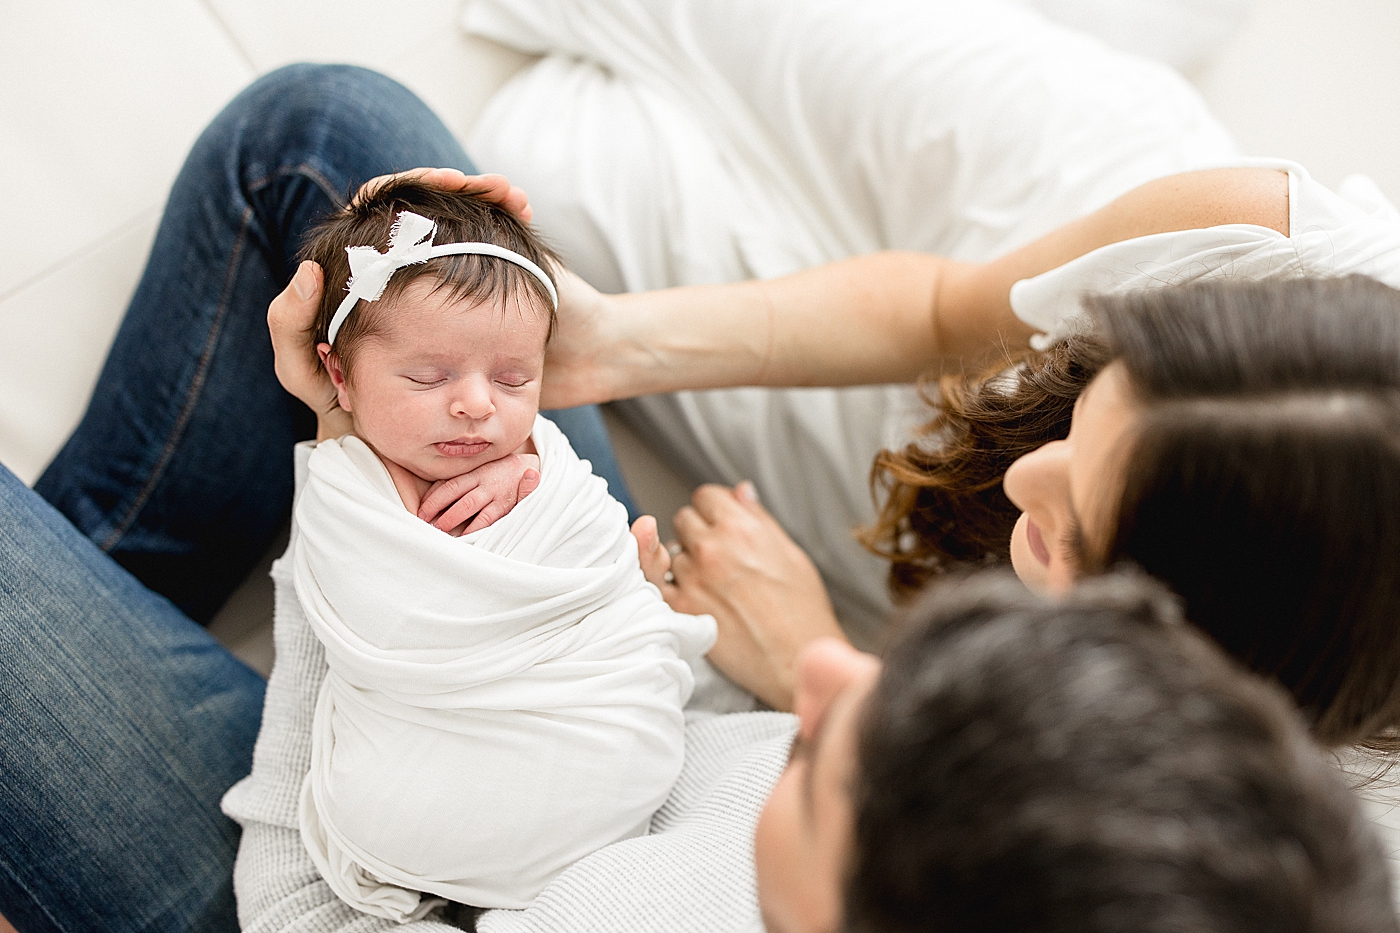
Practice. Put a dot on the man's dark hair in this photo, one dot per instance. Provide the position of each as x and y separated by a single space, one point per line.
460 218
1091 765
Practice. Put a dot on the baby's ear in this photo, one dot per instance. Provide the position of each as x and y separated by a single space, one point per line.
331 361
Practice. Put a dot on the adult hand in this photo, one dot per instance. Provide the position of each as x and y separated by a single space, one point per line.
290 319
737 564
577 361
494 188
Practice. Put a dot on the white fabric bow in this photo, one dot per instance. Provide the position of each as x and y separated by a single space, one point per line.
411 242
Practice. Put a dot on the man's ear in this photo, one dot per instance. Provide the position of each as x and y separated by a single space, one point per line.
331 360
824 669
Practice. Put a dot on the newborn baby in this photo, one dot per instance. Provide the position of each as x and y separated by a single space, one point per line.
502 702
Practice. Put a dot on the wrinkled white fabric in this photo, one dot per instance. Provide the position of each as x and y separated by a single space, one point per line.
673 142
498 705
1352 231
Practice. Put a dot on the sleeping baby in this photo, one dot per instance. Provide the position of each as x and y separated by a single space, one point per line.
502 701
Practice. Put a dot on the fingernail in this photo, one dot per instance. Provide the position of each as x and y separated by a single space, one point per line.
746 491
304 282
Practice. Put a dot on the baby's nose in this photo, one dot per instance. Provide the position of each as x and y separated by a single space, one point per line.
473 400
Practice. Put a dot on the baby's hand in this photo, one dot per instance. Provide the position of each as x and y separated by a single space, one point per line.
484 495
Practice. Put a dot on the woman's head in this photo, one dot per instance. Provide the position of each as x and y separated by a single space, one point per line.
1028 764
1243 446
1255 468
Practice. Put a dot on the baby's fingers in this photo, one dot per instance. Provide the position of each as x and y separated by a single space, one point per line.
529 482
461 510
493 510
444 493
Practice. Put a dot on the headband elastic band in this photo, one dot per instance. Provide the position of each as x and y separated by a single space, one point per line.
411 242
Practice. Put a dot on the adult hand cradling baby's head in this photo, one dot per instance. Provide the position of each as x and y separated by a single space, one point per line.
494 188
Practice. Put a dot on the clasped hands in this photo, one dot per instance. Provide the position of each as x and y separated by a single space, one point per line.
735 563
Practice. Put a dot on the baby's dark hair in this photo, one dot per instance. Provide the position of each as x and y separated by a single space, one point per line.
460 218
1094 765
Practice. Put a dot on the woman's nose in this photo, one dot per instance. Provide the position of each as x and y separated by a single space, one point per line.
1040 478
473 399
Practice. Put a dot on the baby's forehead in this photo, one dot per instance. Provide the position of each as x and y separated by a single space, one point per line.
428 302
435 324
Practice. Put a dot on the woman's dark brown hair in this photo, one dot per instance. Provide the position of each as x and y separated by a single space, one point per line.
944 509
1263 483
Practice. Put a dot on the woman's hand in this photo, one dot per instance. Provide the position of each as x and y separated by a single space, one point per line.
737 564
577 368
494 188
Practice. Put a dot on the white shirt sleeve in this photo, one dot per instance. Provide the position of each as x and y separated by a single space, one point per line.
1356 231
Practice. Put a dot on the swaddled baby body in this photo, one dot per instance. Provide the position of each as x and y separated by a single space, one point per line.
500 703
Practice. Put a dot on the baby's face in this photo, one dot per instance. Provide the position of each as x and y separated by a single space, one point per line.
449 385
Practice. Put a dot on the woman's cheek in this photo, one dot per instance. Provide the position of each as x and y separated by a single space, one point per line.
1032 572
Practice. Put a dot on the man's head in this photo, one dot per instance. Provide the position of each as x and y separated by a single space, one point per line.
1088 764
441 373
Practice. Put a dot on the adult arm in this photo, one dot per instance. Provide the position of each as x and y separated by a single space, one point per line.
890 316
740 566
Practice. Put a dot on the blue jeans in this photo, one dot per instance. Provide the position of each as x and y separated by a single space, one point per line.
121 721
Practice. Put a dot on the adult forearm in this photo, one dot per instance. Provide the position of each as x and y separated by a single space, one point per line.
868 319
890 316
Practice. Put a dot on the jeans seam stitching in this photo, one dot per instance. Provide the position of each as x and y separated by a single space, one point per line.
201 374
307 170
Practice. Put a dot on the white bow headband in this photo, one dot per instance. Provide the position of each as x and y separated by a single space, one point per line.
411 242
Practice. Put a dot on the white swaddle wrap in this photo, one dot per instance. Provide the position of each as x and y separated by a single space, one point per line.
498 705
